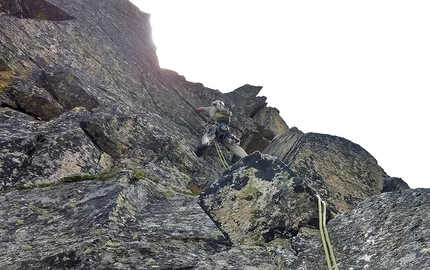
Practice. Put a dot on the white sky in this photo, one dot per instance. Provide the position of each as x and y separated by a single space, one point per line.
355 69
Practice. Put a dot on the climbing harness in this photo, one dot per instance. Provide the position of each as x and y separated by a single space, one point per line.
328 250
218 127
221 156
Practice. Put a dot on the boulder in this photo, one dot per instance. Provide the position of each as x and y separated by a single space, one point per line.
258 200
340 171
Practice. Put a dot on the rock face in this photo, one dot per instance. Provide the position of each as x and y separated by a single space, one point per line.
342 172
87 75
385 232
97 168
112 223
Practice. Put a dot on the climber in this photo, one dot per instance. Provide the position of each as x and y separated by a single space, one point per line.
217 128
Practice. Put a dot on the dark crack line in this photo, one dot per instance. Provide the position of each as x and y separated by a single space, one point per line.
92 139
40 138
21 110
123 37
98 62
193 108
167 149
151 97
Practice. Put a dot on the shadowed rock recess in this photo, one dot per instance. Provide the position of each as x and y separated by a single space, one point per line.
97 168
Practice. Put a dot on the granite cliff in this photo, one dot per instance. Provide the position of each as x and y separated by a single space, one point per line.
97 168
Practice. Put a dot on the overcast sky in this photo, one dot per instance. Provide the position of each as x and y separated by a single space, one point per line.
355 69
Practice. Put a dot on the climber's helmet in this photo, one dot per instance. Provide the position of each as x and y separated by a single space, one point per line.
218 103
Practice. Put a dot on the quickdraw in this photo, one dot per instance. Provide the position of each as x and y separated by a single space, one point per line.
328 250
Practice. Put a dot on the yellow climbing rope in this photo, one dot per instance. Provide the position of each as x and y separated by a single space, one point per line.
221 156
328 250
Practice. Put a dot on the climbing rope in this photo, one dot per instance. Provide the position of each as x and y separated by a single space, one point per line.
221 156
328 250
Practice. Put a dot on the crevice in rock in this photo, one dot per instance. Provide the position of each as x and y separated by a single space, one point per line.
36 102
63 260
21 110
100 63
218 224
256 110
102 141
184 268
4 66
84 127
279 232
66 89
39 139
34 9
295 250
151 96
43 82
6 75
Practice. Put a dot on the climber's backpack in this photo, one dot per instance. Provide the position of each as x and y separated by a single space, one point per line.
223 117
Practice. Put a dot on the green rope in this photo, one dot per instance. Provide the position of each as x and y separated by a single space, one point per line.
328 250
221 156
327 256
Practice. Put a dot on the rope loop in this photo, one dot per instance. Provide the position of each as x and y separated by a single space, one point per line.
221 156
328 249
